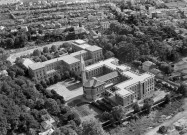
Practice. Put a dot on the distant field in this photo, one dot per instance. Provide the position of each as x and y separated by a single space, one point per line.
8 1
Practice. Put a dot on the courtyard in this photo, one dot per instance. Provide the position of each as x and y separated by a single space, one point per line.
69 89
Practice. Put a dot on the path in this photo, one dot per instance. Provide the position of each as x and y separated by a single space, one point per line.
13 56
170 121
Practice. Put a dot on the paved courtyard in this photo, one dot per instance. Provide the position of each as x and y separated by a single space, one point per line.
69 89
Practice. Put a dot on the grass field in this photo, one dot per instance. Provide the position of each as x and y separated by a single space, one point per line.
87 112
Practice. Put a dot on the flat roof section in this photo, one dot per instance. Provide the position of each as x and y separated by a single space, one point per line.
79 41
84 46
124 92
111 63
93 48
69 59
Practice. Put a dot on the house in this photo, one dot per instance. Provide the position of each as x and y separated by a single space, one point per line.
156 72
48 122
48 132
148 65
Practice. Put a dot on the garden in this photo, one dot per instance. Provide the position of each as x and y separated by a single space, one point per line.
49 53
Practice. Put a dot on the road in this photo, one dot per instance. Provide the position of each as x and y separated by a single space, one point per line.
170 121
13 56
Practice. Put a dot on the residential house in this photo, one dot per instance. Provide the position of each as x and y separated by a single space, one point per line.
148 65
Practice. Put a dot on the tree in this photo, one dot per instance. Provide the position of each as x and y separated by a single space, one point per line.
67 74
148 102
108 54
182 89
43 83
163 130
106 116
127 52
4 125
118 112
57 77
39 104
52 106
54 48
49 56
36 53
43 58
167 98
52 80
137 63
92 127
66 45
167 69
136 107
9 42
45 50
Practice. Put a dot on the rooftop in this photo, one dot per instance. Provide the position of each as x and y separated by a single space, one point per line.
108 76
79 42
27 62
148 63
93 48
78 53
67 59
112 63
84 46
124 92
94 82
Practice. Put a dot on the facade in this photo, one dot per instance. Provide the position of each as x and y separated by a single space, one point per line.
129 85
71 62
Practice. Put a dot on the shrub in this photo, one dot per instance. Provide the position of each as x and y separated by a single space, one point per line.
163 130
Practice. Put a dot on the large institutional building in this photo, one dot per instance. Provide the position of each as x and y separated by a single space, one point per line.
109 75
72 62
98 75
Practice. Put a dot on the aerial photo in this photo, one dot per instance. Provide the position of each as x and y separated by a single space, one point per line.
93 67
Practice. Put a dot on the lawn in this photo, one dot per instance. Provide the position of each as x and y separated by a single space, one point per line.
87 112
69 89
181 66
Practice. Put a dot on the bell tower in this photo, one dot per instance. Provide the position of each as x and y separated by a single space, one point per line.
83 72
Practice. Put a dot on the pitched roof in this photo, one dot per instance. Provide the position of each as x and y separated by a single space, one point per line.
93 83
108 76
148 63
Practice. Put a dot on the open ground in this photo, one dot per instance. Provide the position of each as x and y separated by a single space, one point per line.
69 89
